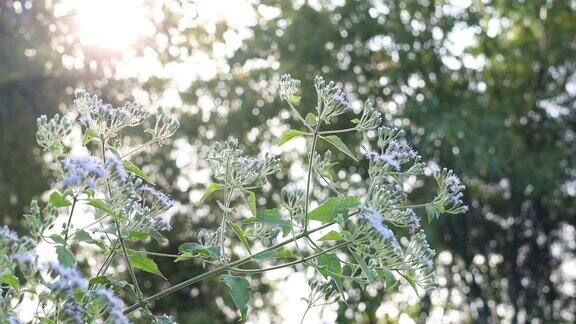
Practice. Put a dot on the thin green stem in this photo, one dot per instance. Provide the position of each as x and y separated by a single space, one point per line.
89 225
119 232
338 131
138 148
288 264
220 270
74 200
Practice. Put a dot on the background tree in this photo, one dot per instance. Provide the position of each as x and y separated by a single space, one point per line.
487 88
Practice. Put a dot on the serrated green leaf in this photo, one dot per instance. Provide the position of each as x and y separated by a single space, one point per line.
332 236
65 257
333 207
337 142
239 291
140 261
311 120
10 280
212 188
57 200
132 168
88 136
241 236
289 135
272 217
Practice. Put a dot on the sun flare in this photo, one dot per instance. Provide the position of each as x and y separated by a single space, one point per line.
111 24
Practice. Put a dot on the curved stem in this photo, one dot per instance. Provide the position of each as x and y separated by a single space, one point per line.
220 270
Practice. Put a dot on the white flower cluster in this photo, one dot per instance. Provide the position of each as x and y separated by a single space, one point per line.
288 87
229 163
105 120
332 99
83 171
51 133
370 118
449 199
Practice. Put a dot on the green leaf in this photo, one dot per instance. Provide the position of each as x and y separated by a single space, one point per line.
333 207
329 265
274 254
58 239
140 261
388 277
431 212
337 142
65 256
290 134
212 188
332 236
10 280
272 217
83 236
138 235
411 281
193 249
294 99
99 280
239 291
88 136
363 265
250 199
102 205
57 200
132 168
240 233
311 120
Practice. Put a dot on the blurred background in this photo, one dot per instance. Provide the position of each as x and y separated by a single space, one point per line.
486 88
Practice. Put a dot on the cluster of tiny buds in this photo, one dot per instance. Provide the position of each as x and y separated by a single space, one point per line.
105 120
165 126
83 171
370 119
450 195
333 99
291 197
6 234
68 278
115 305
116 167
288 87
51 132
374 218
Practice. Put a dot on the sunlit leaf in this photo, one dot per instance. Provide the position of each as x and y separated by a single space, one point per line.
272 217
337 142
289 135
212 188
333 207
132 168
140 261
